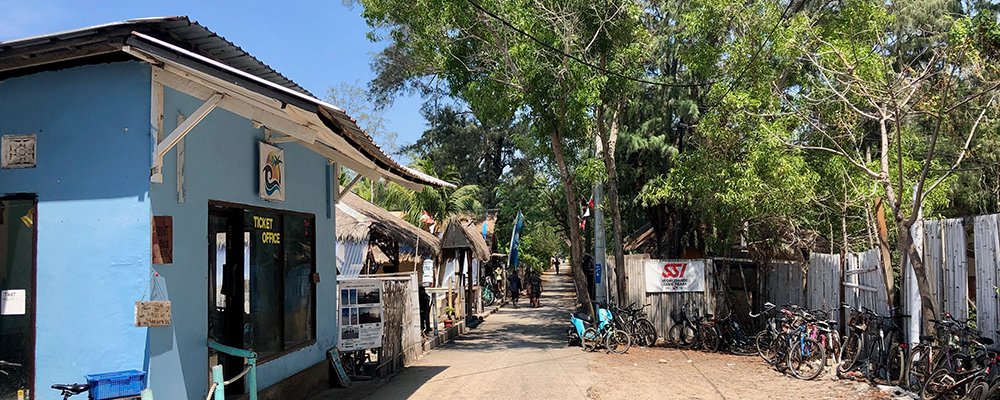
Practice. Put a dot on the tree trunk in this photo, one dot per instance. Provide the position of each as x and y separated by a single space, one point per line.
928 307
609 137
883 247
573 223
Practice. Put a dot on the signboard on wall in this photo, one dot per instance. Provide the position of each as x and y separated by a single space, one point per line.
152 313
361 313
674 275
163 240
272 173
427 272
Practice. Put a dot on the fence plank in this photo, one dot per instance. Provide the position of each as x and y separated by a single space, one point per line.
987 251
932 257
822 281
955 290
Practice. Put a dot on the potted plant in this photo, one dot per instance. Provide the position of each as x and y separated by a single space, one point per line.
450 318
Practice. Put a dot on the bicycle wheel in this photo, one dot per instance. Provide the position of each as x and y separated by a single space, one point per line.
978 391
488 297
590 340
895 370
763 342
806 358
994 392
709 339
918 367
850 352
681 335
618 341
939 383
779 346
644 332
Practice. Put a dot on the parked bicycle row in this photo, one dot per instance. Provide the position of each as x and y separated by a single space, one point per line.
955 363
615 329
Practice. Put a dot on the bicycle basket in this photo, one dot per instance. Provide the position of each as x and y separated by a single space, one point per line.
677 316
113 385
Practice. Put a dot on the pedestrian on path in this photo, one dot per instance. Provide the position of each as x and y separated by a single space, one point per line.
425 310
514 287
535 286
555 263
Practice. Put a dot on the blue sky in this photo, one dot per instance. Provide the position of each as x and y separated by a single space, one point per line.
316 43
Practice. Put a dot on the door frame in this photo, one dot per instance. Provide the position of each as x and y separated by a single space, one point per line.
32 308
233 233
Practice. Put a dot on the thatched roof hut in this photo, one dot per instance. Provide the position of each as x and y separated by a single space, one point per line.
357 219
465 233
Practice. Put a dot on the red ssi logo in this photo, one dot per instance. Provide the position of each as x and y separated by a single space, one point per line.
674 270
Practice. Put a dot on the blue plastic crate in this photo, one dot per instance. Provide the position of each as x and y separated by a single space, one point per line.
113 385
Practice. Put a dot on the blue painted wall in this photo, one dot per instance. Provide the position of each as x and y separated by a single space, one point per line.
221 164
93 219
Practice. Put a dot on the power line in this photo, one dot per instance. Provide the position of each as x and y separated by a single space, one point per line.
577 59
753 58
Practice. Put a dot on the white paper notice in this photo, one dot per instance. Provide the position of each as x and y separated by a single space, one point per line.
12 302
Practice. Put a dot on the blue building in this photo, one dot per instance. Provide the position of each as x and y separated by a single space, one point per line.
152 160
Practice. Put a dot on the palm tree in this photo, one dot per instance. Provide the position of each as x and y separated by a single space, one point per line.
440 203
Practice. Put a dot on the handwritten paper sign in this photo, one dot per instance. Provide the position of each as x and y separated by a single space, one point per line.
152 313
163 239
12 302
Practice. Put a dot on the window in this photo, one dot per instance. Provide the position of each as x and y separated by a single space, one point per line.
281 265
261 291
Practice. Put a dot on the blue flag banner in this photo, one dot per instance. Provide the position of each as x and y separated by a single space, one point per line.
515 238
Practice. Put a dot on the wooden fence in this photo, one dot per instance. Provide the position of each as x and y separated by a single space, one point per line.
737 286
401 341
944 247
661 304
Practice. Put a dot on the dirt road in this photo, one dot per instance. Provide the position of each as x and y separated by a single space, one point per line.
517 353
660 373
522 354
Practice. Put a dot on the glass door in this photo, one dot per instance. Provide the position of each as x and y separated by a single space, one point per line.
227 300
17 295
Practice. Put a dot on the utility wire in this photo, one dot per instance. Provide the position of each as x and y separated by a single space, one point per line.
577 59
739 77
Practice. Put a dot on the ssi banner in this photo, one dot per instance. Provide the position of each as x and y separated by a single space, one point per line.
674 276
360 314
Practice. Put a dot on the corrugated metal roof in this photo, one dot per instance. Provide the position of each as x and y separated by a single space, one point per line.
197 39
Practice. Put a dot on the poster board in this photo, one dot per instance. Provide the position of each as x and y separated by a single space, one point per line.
360 314
271 171
664 276
152 313
163 239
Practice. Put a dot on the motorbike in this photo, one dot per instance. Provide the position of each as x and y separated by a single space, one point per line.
581 321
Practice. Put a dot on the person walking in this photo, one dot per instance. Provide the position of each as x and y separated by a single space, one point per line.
425 310
514 287
555 263
535 286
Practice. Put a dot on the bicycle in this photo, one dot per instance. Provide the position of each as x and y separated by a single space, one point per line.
693 331
763 339
633 320
605 334
733 338
874 340
963 383
489 290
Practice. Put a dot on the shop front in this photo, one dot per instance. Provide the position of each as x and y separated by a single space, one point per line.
158 204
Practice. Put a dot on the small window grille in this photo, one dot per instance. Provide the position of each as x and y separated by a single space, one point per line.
19 151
